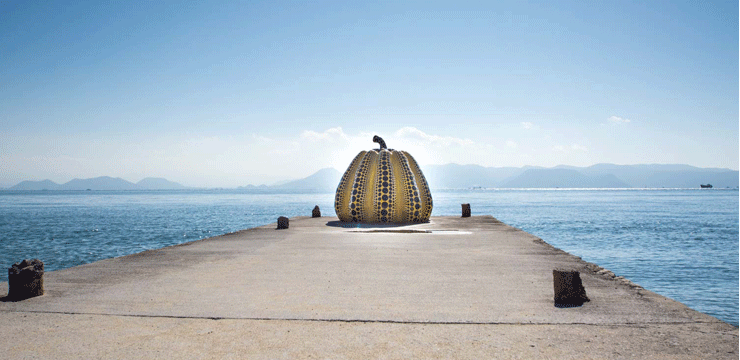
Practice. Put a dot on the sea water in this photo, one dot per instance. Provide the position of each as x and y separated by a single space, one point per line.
681 243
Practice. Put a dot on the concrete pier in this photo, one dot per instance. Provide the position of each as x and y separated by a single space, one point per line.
452 288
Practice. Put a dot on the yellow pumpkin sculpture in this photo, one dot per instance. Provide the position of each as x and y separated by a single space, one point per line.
383 186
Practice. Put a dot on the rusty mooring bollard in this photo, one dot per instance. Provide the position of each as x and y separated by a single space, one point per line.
316 212
283 222
569 290
465 210
26 279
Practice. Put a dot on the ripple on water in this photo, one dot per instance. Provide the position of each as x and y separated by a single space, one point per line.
680 243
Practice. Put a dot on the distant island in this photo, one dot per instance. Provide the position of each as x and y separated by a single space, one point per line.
100 183
595 176
454 176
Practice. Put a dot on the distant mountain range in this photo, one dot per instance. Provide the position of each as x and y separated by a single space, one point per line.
100 183
595 176
323 179
456 176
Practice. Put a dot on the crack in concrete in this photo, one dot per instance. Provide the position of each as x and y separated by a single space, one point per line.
371 321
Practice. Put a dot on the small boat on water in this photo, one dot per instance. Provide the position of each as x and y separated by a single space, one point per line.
707 186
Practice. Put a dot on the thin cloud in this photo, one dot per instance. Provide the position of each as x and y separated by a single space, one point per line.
328 134
618 120
262 139
416 134
529 126
577 147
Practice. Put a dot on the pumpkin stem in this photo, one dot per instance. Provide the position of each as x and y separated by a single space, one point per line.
380 141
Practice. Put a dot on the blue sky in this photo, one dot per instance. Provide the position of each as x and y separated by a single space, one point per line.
233 93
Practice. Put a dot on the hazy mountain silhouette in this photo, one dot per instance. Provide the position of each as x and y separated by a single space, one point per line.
457 176
35 185
562 178
99 183
323 180
670 176
151 183
253 187
596 176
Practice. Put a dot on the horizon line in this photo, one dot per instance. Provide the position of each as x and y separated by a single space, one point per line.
277 183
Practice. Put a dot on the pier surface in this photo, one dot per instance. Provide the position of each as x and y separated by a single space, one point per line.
452 288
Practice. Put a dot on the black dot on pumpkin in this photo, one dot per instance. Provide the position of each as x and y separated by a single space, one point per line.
384 212
384 219
418 206
385 190
385 183
416 199
385 205
354 212
385 197
416 213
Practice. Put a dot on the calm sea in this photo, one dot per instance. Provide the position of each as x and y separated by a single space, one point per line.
681 243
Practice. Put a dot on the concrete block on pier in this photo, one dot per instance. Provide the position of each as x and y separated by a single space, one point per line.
282 222
569 290
26 279
465 210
